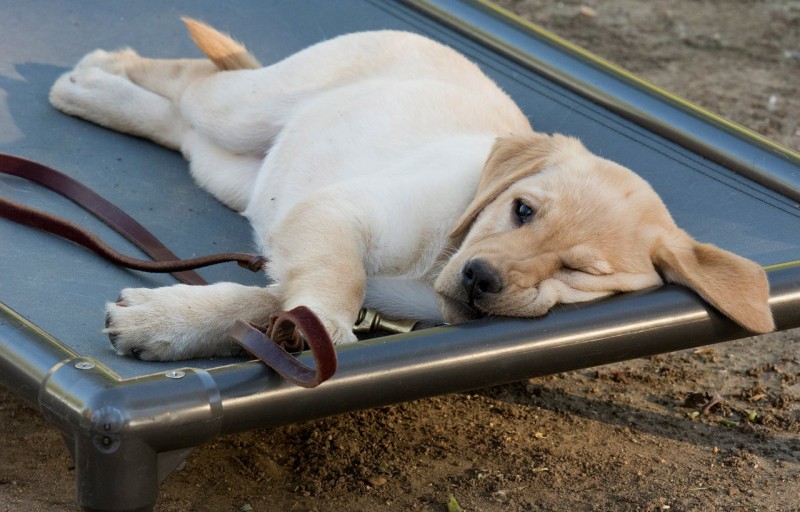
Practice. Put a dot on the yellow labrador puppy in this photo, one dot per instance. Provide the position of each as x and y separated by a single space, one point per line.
382 168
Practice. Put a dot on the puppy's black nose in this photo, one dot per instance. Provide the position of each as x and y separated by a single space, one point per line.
479 278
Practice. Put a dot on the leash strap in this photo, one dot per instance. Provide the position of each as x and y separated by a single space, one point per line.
164 260
286 331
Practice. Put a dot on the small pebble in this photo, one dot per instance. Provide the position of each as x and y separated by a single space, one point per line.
375 481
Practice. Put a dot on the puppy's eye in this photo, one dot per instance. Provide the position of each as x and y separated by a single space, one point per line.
523 212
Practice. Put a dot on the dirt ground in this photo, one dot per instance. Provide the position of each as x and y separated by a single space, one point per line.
711 429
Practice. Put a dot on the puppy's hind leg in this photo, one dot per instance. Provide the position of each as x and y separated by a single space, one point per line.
99 89
166 77
228 176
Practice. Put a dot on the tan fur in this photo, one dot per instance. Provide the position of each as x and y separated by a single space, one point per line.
511 159
732 284
221 49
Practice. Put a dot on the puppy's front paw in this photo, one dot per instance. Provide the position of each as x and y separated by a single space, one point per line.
166 324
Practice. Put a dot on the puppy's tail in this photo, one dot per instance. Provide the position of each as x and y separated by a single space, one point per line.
221 49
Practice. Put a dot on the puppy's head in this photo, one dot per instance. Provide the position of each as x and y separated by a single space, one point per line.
552 223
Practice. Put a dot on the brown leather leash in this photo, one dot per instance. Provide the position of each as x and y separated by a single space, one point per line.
271 344
289 330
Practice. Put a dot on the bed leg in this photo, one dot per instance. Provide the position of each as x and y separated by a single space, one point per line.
115 475
126 436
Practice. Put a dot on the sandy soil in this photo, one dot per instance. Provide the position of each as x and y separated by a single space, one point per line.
711 429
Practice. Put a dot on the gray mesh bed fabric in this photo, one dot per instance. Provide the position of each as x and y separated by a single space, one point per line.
722 185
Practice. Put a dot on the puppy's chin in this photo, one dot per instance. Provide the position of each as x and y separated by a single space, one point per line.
455 311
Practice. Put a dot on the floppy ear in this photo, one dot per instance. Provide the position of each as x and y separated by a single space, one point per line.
512 158
734 285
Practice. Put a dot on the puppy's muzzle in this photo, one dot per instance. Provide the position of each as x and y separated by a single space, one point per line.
478 279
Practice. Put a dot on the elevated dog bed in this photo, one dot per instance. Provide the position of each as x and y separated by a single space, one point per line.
129 423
